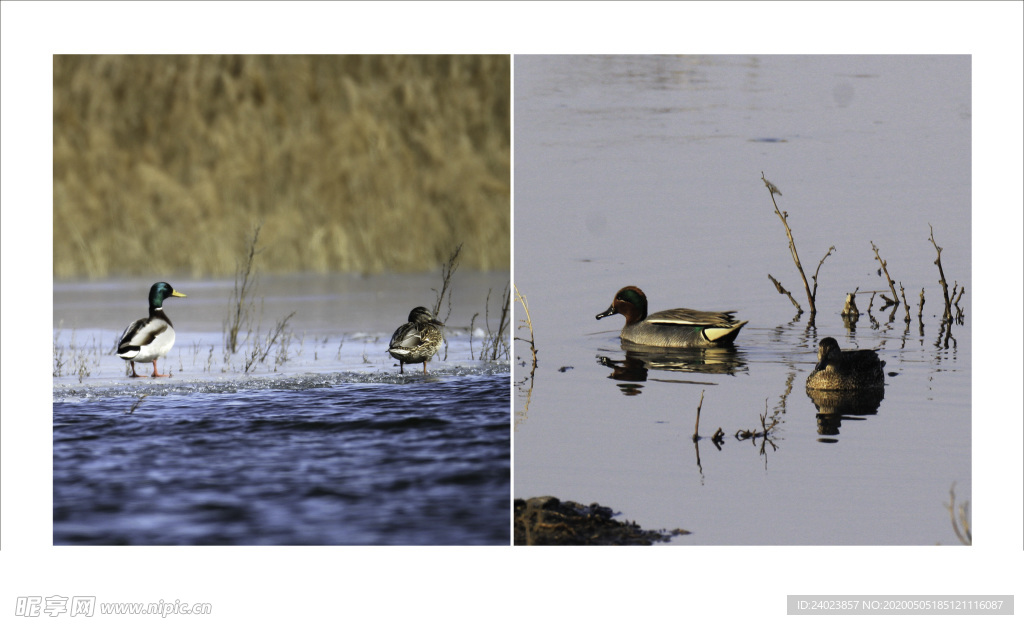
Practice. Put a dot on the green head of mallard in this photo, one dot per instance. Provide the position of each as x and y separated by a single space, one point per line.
158 292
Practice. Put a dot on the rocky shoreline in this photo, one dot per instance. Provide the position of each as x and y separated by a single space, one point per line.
550 521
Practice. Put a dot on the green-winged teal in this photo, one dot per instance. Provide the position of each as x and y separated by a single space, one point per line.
417 340
839 370
150 338
678 327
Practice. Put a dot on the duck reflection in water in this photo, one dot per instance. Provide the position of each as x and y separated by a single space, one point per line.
844 384
640 361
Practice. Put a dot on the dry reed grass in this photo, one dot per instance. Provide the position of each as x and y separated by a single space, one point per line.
163 164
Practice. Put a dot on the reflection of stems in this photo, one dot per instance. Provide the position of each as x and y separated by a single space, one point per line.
526 406
773 191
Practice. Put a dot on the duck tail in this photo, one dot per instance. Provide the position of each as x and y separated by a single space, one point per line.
723 336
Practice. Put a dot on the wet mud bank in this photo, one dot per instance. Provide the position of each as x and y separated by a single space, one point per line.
550 521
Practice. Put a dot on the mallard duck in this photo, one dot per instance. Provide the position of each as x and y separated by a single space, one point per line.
839 370
150 338
678 327
417 340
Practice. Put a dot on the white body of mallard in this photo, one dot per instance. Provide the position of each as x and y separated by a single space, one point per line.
147 339
416 341
150 338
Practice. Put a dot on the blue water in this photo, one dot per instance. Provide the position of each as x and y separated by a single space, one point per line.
313 460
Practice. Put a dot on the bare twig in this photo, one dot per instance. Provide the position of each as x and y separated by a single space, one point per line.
773 191
240 307
906 304
781 289
529 324
496 343
947 312
889 281
958 517
955 301
696 426
447 271
814 292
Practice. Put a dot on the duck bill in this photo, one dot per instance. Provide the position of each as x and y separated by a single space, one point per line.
607 313
176 294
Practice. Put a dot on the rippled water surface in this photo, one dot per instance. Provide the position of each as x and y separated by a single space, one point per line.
647 171
324 442
328 462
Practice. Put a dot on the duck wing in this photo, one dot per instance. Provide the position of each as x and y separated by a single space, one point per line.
142 332
407 336
690 317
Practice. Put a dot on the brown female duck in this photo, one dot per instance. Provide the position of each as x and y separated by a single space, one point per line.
839 370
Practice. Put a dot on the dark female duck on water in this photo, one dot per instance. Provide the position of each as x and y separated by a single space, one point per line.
839 370
677 327
152 337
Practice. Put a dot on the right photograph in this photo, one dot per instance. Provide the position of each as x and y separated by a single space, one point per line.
743 300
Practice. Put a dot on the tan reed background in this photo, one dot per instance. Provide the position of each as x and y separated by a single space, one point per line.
162 165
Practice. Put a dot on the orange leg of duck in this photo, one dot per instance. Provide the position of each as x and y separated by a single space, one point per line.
159 375
134 375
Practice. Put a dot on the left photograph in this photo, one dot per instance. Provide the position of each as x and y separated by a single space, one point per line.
281 300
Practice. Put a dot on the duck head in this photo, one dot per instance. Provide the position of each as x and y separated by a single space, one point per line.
159 291
630 302
826 347
421 315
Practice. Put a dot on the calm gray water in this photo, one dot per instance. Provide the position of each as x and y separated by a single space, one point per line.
647 171
323 442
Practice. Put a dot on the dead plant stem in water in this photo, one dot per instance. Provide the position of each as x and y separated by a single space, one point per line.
496 343
889 281
529 325
783 216
947 311
447 271
240 306
958 516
